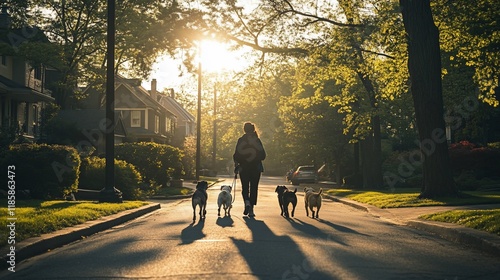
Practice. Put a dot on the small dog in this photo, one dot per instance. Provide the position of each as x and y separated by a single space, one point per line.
286 197
225 199
312 199
199 198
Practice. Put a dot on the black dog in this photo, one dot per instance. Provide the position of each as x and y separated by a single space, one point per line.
199 198
286 197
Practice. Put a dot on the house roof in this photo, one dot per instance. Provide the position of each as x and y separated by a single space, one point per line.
22 93
134 87
91 120
18 35
176 107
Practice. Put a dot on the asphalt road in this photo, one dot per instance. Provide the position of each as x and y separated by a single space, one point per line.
344 243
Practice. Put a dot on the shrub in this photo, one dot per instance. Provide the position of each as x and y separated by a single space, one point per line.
481 161
403 169
127 178
155 162
46 171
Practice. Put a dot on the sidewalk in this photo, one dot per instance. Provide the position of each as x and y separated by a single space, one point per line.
408 216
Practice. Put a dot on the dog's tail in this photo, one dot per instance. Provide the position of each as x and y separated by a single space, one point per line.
320 191
295 190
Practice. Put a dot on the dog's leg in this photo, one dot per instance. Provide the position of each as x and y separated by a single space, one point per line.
218 211
293 208
194 213
229 210
307 211
281 205
204 210
317 211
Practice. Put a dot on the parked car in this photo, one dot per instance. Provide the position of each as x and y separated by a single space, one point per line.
304 174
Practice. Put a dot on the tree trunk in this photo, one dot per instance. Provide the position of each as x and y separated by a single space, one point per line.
424 64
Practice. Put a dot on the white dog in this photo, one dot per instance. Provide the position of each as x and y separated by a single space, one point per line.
225 199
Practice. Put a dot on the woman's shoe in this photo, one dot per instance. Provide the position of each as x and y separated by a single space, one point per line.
250 212
247 207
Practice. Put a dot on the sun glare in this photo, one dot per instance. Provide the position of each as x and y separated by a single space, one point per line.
216 57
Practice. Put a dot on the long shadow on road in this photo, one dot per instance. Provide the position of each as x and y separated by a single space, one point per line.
271 256
193 232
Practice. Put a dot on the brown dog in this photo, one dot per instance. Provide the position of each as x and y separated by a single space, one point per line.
312 199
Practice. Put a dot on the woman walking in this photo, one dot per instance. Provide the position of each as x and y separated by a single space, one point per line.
248 157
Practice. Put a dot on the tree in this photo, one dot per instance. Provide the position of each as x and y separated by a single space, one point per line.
145 29
341 36
424 64
469 34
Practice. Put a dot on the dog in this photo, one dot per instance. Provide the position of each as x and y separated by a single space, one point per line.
312 199
285 197
199 198
225 199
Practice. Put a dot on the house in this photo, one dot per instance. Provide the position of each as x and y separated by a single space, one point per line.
186 122
90 126
23 93
144 119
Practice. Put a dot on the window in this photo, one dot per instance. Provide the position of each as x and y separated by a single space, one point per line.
135 119
157 124
38 72
168 125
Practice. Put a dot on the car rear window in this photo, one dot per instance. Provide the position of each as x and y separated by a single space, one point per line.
309 169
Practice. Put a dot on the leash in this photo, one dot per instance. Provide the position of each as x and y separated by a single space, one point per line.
233 186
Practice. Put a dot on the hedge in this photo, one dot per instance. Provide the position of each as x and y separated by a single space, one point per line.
46 171
469 158
156 162
127 178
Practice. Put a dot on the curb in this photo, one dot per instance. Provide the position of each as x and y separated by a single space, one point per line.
482 241
477 239
37 245
173 197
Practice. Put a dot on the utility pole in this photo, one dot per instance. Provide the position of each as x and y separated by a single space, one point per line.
198 125
109 193
214 140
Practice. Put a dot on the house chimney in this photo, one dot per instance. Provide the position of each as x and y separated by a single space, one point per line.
172 93
153 89
4 18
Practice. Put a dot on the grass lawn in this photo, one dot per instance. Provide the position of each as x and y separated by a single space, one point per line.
409 198
35 217
485 220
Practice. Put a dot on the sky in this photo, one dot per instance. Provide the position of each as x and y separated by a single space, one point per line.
215 58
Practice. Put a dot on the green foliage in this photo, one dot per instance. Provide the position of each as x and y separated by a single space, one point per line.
469 33
46 171
127 178
155 162
147 29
